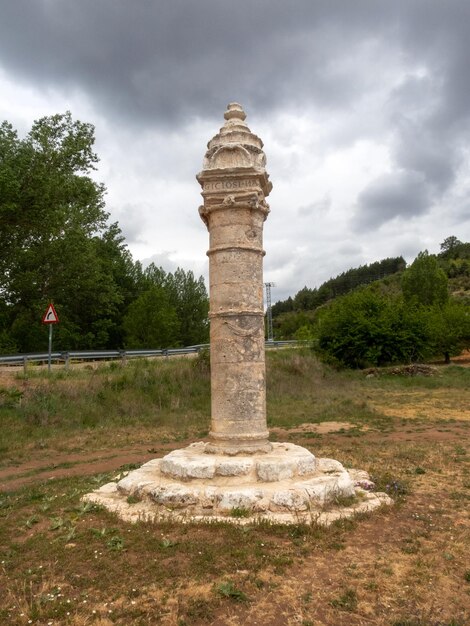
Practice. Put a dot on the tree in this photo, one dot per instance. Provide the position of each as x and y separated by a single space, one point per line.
188 296
449 328
424 282
365 328
55 242
309 299
151 321
449 245
287 325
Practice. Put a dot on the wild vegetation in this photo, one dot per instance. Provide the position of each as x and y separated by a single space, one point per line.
412 315
66 563
57 245
308 299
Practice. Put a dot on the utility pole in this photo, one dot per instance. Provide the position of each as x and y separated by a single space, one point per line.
269 313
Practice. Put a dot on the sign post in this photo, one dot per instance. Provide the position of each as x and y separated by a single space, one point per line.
50 317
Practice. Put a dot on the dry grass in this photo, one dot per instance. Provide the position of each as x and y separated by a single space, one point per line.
63 563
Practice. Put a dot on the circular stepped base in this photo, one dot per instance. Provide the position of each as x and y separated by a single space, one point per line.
287 485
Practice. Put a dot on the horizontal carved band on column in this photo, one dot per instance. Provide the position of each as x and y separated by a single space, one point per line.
262 207
237 313
238 437
233 248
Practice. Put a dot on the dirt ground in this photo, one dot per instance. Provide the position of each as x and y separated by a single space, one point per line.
42 465
406 565
407 405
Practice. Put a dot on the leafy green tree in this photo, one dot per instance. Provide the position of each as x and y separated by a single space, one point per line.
55 242
283 306
449 328
151 321
286 325
305 333
449 246
365 328
424 282
188 296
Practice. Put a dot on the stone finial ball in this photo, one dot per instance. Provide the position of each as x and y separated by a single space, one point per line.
234 111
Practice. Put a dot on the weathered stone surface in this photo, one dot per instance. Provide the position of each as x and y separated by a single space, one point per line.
234 467
175 495
312 499
239 499
274 470
329 466
234 187
285 461
179 464
288 478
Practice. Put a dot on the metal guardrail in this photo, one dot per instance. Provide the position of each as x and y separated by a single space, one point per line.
97 355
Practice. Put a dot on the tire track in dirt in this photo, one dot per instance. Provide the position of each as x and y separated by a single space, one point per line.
69 465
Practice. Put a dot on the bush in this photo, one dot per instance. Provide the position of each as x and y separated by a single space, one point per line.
365 328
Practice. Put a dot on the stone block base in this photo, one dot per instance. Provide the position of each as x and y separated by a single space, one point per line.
287 485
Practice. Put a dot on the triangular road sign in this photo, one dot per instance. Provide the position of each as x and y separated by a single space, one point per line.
50 316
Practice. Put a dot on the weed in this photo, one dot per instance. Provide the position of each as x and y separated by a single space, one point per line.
34 519
341 500
127 467
10 398
116 543
70 534
56 523
88 507
239 511
228 590
199 608
396 487
203 361
466 576
132 499
347 601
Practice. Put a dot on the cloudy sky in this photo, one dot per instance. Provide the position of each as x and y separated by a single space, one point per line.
363 107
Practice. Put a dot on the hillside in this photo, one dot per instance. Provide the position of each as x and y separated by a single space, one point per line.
298 312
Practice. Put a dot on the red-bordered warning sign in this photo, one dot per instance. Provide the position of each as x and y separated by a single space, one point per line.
50 316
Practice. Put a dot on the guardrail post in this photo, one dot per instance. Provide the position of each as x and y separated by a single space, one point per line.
123 357
25 365
66 357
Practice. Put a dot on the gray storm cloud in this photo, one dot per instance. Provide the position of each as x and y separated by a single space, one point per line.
157 62
398 194
394 74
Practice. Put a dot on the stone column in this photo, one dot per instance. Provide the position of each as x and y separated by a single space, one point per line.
234 187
